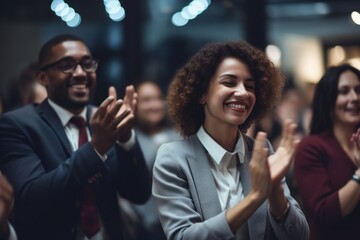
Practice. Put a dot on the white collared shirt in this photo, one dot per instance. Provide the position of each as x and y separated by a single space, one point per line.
72 132
225 168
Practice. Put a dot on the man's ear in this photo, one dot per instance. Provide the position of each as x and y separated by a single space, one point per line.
43 78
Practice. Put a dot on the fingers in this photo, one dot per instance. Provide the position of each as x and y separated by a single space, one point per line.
259 168
123 115
130 97
102 110
6 191
289 134
281 160
5 186
259 151
112 121
355 137
129 91
112 111
112 92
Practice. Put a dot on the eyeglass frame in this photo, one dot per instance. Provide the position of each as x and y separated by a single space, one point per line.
54 64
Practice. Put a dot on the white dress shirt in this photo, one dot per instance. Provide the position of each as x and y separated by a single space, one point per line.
225 169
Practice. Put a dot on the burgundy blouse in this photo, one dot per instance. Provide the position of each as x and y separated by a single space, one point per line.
321 168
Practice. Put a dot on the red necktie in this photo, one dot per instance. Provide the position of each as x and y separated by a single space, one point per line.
89 217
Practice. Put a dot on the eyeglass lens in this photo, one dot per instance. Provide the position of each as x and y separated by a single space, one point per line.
69 65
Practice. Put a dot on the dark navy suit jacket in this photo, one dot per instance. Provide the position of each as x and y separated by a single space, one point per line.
48 178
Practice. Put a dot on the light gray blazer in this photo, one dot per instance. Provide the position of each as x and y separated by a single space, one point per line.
188 204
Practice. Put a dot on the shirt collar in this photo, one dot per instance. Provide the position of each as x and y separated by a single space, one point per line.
64 114
216 152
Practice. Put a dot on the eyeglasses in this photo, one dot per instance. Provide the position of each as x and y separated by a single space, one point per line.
68 65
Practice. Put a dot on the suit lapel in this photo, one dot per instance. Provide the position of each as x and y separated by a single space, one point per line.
52 120
203 180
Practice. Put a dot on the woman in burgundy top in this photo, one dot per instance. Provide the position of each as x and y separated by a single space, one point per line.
327 163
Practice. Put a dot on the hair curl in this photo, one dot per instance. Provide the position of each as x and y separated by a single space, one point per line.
192 81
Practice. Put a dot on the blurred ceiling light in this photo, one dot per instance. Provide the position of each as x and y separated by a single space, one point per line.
55 3
60 8
355 16
66 13
114 9
179 20
274 54
75 21
69 15
189 12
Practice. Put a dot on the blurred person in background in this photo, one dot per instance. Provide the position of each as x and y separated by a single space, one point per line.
218 183
151 121
327 162
291 106
152 129
25 89
29 87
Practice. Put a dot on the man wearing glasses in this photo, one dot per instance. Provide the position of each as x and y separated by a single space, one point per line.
67 161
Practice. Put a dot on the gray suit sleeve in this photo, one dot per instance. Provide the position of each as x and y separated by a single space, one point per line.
295 226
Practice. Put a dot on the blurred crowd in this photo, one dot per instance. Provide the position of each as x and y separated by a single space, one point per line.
312 132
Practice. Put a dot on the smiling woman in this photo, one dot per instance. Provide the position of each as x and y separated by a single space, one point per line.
218 183
327 163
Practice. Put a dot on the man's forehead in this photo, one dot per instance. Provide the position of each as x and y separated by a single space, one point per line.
75 49
71 47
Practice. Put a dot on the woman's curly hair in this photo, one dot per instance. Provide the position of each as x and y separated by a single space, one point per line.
192 81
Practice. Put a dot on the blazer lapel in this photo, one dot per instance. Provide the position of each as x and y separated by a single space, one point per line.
51 119
203 180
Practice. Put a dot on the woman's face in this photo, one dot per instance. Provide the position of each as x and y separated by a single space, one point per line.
230 97
347 105
151 105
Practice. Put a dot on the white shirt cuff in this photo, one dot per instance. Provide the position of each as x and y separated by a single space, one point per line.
102 157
